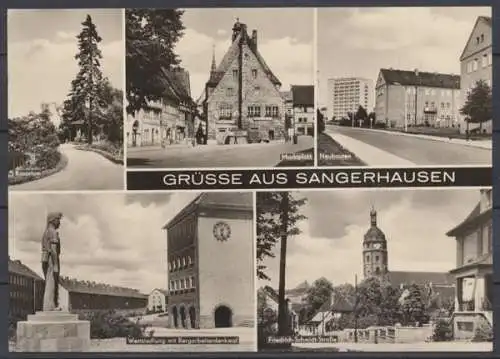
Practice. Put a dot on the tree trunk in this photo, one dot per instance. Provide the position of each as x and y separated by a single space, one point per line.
282 309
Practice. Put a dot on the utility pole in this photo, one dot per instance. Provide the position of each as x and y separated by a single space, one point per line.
355 308
282 309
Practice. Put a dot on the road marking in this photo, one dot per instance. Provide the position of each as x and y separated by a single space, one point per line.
369 154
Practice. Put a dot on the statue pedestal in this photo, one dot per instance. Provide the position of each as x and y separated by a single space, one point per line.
53 331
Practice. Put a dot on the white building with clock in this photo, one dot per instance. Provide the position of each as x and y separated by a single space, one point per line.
211 262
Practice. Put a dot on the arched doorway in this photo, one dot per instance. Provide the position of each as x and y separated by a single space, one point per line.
183 317
223 317
192 317
175 317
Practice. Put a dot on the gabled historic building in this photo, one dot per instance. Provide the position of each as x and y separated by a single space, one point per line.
168 121
476 63
417 98
242 96
303 109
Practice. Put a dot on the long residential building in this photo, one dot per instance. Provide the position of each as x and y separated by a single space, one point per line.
346 94
416 98
476 63
25 290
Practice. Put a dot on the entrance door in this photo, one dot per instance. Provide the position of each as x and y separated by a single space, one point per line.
223 317
183 317
271 135
192 317
175 317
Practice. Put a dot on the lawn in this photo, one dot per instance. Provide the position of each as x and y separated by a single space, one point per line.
331 153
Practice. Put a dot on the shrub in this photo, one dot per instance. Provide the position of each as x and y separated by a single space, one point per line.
443 331
104 325
47 158
379 125
63 162
483 332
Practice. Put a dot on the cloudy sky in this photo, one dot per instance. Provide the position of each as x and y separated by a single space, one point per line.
414 222
285 40
41 50
115 238
359 41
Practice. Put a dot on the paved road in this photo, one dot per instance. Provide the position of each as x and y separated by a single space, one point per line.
418 150
85 171
249 155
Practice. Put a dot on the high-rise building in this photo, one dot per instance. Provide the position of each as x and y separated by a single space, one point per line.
347 94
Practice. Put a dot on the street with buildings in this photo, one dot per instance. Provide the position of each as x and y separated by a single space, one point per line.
243 118
392 148
408 116
412 300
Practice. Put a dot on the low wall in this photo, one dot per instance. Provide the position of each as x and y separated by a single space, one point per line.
386 334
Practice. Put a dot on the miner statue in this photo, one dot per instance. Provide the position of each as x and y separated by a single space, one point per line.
51 251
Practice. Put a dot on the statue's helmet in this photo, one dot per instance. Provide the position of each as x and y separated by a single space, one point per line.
52 216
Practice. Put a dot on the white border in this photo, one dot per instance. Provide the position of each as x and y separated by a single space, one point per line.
124 100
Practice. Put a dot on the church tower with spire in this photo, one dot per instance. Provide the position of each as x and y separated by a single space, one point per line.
375 255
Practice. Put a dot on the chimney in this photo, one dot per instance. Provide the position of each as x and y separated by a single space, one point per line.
416 72
254 38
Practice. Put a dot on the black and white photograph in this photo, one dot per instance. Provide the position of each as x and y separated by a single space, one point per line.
118 272
404 86
66 73
375 270
220 88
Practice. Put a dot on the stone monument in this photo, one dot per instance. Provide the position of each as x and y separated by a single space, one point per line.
52 330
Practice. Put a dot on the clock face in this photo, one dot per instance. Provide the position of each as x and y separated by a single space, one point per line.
377 246
222 231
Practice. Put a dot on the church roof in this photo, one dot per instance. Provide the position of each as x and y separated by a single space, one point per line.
235 201
374 233
398 278
217 75
425 79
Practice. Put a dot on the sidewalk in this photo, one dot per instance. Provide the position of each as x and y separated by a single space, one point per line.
484 144
370 155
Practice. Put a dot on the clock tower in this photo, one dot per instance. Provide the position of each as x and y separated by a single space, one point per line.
375 261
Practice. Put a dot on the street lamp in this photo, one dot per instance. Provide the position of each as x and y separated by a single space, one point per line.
416 94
